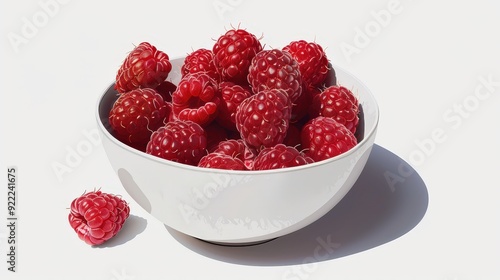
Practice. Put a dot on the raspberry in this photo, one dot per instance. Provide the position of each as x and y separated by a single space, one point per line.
96 216
263 118
313 63
275 69
237 149
179 141
136 114
280 156
196 99
233 53
232 96
200 60
324 138
144 67
221 161
339 103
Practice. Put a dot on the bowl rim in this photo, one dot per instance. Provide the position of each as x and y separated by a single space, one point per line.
367 135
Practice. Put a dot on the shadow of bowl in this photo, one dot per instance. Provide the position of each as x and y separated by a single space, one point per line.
388 200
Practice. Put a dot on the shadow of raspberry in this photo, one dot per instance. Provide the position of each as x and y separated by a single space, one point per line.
132 227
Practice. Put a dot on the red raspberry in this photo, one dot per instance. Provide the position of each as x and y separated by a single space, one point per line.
96 216
196 99
136 114
313 63
280 156
144 67
237 149
232 96
165 89
179 141
263 118
200 60
324 138
339 103
275 69
233 53
221 161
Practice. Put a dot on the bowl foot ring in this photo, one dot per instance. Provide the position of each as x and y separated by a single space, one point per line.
242 244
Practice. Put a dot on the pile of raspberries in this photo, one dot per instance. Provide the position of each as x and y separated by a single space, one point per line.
238 105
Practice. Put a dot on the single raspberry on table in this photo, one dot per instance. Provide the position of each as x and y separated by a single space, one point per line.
97 217
324 137
313 63
233 52
196 99
136 114
179 141
280 156
221 161
339 103
263 118
200 60
275 69
237 148
144 67
232 96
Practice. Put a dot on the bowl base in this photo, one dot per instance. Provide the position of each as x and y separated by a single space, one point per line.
242 244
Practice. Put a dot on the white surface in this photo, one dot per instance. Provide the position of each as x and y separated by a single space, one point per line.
439 222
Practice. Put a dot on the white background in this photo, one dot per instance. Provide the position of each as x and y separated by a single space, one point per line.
424 63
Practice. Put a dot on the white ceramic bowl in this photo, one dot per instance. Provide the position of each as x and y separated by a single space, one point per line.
239 207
